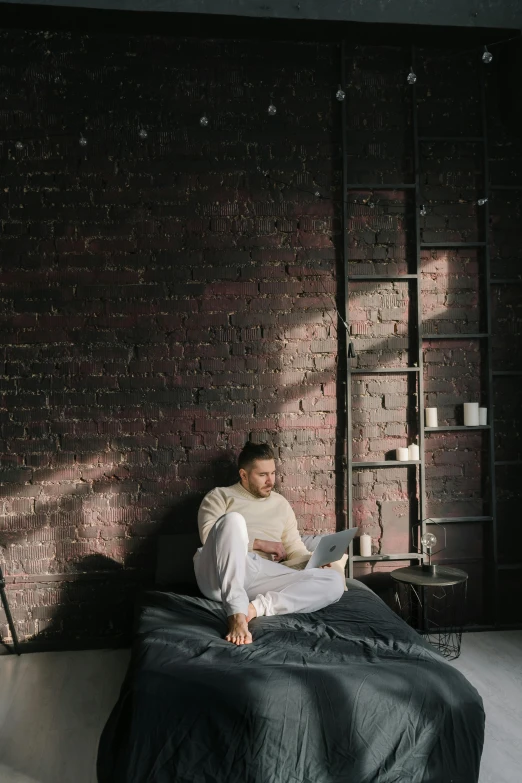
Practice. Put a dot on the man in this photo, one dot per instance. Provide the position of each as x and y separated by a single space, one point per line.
250 543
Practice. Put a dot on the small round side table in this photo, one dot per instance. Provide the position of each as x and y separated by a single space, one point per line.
434 604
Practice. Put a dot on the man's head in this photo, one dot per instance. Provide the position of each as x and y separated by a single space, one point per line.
257 468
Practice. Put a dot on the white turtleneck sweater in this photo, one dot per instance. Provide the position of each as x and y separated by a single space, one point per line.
269 519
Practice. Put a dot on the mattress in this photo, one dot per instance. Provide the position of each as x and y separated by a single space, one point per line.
348 694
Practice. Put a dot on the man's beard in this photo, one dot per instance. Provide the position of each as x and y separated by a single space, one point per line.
254 491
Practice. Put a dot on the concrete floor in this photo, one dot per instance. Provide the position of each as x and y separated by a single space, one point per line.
54 705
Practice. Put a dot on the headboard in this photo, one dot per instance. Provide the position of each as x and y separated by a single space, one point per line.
174 561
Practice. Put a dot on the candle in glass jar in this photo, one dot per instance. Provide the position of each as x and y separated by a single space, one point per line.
365 542
431 417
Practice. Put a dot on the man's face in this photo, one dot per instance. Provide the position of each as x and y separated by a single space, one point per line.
260 479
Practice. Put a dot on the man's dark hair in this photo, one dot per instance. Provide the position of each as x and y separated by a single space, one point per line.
251 452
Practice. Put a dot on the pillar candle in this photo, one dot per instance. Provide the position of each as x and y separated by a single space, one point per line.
402 454
413 451
483 415
471 414
431 417
365 543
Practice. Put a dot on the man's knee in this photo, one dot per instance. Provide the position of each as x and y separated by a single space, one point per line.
233 518
232 523
334 585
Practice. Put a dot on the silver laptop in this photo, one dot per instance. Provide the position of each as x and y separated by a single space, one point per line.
330 548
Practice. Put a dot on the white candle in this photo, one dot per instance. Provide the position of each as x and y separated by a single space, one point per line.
483 415
402 454
413 451
471 414
431 417
365 543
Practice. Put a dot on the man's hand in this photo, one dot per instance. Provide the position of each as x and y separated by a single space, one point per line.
327 565
274 548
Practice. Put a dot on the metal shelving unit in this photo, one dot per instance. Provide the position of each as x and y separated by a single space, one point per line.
418 338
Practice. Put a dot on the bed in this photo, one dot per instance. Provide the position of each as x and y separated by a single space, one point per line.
349 694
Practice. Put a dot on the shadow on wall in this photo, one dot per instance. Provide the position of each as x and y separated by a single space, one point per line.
97 596
99 592
99 583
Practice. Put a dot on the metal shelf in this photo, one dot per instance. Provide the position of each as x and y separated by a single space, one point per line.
391 463
392 278
509 566
453 520
384 370
379 186
505 187
453 428
505 280
454 336
507 372
508 462
452 138
452 244
380 558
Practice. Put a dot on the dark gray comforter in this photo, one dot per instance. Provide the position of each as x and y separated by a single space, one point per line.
349 694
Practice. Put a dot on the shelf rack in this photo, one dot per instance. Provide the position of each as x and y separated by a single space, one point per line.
417 338
457 427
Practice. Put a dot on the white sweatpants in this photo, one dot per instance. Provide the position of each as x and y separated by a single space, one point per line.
226 571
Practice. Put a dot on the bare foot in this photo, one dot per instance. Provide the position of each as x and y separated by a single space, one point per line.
238 632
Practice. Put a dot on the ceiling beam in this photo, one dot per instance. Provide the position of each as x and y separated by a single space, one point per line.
506 14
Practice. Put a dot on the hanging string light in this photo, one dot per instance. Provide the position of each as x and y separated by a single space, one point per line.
482 201
486 56
423 211
340 95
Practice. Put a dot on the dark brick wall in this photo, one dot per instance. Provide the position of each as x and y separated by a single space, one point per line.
163 300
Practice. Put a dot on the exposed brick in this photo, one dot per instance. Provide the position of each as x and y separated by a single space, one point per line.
155 319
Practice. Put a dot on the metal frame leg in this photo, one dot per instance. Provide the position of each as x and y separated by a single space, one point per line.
8 614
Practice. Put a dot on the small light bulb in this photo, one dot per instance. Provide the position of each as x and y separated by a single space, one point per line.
19 145
317 193
340 94
423 211
486 56
142 133
203 121
428 540
411 77
83 141
482 201
272 110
